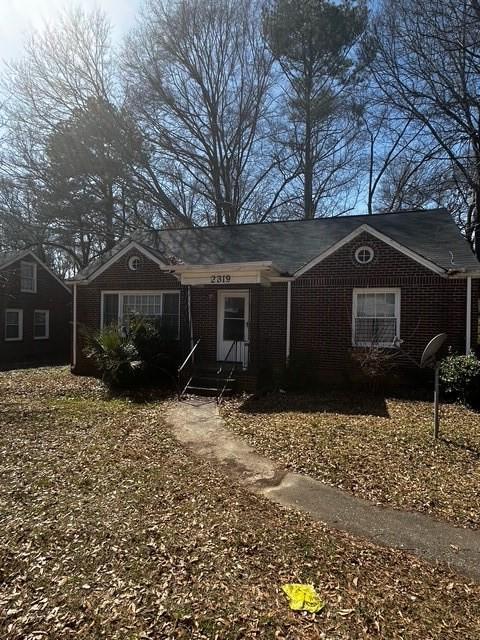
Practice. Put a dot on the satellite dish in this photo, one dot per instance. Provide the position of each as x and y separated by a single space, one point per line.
429 355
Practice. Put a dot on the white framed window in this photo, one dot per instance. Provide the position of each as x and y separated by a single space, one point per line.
376 317
364 255
13 325
41 324
28 277
162 307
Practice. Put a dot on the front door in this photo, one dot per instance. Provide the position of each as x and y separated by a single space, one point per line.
232 326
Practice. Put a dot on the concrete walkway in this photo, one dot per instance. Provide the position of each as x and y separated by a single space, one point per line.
197 424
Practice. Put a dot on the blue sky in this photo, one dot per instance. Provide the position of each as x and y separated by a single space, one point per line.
19 17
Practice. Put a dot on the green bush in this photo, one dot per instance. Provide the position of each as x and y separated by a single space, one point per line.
143 353
460 377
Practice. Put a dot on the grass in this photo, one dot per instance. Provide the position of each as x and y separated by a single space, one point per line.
110 529
379 449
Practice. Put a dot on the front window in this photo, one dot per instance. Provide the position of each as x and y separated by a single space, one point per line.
28 277
376 317
13 324
41 329
163 307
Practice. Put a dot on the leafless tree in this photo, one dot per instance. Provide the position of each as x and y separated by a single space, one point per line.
425 59
69 144
198 79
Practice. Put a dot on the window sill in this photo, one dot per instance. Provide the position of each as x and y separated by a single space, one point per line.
13 339
370 345
41 338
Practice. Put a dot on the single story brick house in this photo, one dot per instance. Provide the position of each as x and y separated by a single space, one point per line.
266 294
35 312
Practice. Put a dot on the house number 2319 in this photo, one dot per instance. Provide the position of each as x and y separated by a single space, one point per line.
220 279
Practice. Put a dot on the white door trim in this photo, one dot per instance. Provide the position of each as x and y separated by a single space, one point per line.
221 295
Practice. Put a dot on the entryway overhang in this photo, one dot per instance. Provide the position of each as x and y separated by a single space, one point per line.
227 273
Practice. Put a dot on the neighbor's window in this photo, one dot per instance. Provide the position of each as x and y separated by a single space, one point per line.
13 324
376 317
161 306
28 277
41 322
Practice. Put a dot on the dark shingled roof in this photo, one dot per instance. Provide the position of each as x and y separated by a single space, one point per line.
7 257
290 245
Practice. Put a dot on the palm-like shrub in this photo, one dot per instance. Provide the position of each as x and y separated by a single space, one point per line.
115 355
141 353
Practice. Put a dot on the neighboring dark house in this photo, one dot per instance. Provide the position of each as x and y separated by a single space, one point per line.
35 312
313 291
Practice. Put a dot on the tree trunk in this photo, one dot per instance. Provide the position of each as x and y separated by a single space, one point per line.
309 211
109 214
308 172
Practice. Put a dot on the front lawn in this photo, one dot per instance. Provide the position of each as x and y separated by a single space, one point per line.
379 449
110 529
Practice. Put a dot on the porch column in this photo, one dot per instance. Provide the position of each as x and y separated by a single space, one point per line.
289 313
468 327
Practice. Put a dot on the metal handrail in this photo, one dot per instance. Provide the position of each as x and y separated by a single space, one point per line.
227 380
189 359
192 351
234 363
225 360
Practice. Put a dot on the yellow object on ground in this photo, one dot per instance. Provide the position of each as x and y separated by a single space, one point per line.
303 597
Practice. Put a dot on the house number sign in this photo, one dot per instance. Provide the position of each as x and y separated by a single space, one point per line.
220 279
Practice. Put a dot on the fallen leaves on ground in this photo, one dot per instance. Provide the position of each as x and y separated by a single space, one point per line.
376 448
110 529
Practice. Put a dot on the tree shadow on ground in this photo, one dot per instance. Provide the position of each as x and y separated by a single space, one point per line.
351 403
142 395
463 446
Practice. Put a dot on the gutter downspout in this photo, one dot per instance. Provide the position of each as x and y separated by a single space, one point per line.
468 327
190 319
289 310
74 332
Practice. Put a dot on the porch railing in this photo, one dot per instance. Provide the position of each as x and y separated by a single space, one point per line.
236 355
227 367
185 371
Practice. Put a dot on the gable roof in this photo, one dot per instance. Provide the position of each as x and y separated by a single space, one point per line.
8 258
430 235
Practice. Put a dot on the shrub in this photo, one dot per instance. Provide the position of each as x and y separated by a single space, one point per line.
142 353
375 368
115 356
460 376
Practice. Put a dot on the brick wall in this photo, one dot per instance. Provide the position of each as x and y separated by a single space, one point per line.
267 322
119 277
50 296
322 304
321 325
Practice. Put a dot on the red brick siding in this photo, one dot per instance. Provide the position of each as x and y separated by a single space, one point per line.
118 277
321 327
50 296
322 303
267 322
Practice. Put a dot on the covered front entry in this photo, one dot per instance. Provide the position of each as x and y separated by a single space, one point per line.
232 326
